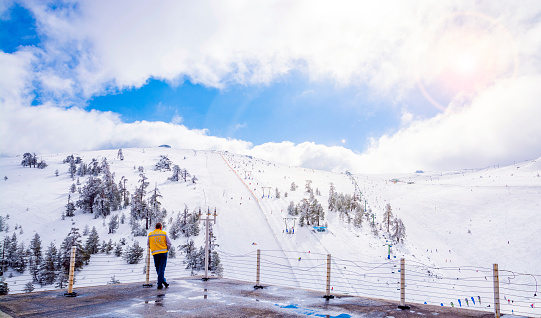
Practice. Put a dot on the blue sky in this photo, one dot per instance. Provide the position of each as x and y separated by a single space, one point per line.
353 85
292 109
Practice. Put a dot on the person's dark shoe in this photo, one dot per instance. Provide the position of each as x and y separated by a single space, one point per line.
166 285
160 286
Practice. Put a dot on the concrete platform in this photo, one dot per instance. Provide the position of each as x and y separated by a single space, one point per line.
192 297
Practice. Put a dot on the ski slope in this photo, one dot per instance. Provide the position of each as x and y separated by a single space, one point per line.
456 219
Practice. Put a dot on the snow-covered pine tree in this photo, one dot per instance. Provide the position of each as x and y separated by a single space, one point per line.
90 191
109 246
62 279
293 186
118 249
86 230
317 213
70 208
163 164
172 253
113 224
82 170
139 208
332 198
28 287
72 168
398 231
81 256
292 209
124 191
176 174
184 175
191 254
388 217
19 261
4 288
304 211
49 266
92 242
134 253
120 155
308 187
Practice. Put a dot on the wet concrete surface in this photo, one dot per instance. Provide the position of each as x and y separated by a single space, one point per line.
192 297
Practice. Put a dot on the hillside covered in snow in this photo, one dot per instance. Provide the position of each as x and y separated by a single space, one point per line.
453 220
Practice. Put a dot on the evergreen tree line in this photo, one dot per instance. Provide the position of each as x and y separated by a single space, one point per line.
31 161
195 258
51 265
145 209
309 210
352 211
99 196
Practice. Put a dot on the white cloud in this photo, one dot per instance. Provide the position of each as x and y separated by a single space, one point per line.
49 129
177 120
102 45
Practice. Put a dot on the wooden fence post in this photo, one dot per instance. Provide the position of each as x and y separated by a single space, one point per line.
70 292
403 285
496 292
258 271
328 289
147 284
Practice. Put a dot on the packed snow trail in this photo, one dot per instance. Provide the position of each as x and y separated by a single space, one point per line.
240 228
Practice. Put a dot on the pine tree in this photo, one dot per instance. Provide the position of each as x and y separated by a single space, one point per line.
120 155
293 186
172 253
332 198
134 253
92 242
191 254
49 266
19 260
154 203
176 173
113 224
388 217
89 193
72 168
81 256
292 209
28 287
164 164
62 279
4 289
398 231
70 208
118 249
308 187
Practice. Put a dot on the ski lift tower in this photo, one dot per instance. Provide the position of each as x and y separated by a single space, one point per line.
287 221
207 220
263 188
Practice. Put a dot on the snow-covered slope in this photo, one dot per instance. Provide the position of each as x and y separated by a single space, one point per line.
460 218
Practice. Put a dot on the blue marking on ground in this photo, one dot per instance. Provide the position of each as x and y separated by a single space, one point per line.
310 312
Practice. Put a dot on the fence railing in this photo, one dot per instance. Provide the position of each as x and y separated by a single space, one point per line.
404 281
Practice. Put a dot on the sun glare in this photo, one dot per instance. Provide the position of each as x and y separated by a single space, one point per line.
465 64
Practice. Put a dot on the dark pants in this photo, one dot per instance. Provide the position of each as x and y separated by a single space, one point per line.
160 261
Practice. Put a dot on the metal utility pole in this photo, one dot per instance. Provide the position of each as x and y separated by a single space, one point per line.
207 219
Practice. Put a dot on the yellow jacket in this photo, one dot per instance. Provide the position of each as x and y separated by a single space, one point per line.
158 242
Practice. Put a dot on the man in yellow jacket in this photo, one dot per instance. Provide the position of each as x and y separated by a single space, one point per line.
159 244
